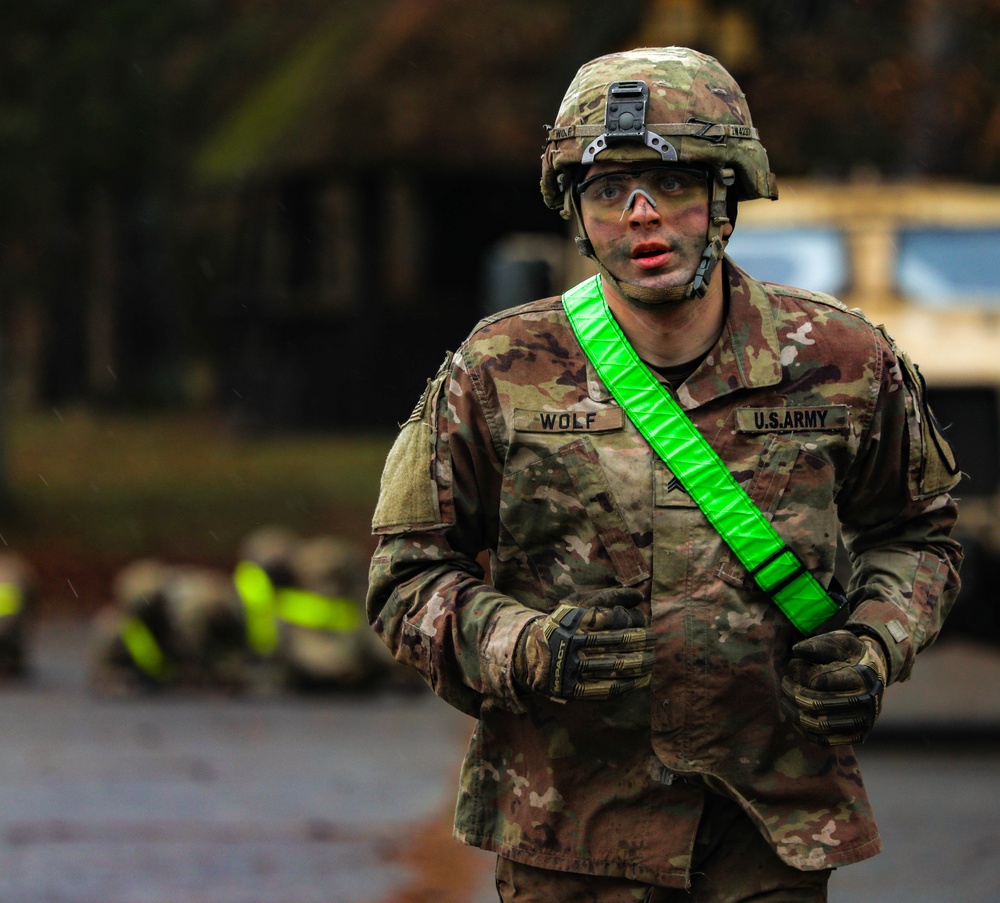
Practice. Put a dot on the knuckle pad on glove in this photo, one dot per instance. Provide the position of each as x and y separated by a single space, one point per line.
597 653
621 665
844 679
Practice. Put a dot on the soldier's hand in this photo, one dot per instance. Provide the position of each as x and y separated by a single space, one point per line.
833 689
595 645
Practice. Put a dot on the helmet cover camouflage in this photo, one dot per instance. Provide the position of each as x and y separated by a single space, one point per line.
694 104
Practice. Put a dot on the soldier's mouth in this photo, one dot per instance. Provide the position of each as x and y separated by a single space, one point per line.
650 255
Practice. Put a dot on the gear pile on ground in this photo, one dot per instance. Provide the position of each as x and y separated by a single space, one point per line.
289 617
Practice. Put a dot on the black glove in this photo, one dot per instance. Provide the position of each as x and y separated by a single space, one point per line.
833 689
595 645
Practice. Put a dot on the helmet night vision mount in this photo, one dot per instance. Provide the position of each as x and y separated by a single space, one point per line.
625 120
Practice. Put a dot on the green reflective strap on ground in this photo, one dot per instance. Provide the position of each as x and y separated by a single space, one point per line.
258 595
693 461
307 609
142 646
264 603
11 599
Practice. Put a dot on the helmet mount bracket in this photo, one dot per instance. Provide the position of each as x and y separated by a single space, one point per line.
625 120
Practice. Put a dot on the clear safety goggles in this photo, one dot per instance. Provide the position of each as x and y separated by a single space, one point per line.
616 191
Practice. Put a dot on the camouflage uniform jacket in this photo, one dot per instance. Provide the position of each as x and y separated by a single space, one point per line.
517 448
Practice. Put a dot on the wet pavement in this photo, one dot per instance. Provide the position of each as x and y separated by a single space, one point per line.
347 799
223 800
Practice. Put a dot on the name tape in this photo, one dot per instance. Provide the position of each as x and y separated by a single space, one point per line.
828 418
571 421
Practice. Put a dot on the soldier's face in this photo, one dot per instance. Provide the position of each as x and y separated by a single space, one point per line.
655 246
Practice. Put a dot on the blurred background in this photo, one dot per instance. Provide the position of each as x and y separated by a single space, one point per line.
237 236
234 231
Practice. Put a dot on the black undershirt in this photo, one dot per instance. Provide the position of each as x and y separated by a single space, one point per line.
674 376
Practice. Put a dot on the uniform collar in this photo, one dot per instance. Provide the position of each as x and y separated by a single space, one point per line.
746 356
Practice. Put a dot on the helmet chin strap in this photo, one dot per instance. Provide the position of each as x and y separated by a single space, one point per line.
644 297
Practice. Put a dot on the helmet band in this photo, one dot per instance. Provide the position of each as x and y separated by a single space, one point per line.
716 132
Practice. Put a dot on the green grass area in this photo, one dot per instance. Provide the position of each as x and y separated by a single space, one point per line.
91 491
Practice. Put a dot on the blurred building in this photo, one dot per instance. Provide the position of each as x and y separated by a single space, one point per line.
379 167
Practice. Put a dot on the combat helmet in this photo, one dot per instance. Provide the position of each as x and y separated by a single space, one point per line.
663 104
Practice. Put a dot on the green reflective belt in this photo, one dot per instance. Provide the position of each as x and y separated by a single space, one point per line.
307 609
142 646
776 568
11 599
257 592
265 604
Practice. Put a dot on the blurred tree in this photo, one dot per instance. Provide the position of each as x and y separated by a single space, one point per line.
103 102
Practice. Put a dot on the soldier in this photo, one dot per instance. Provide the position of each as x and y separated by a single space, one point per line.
18 599
667 682
126 643
169 626
264 566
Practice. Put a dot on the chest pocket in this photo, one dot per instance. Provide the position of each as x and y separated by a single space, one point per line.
794 489
558 515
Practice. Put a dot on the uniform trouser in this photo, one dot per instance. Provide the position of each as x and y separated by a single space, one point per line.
731 863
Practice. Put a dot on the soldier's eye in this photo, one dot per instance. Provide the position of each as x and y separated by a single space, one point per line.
611 188
674 182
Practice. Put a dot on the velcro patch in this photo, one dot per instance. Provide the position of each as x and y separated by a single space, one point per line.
897 630
827 418
570 421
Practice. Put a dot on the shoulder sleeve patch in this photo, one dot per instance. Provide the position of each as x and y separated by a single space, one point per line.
408 498
933 468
